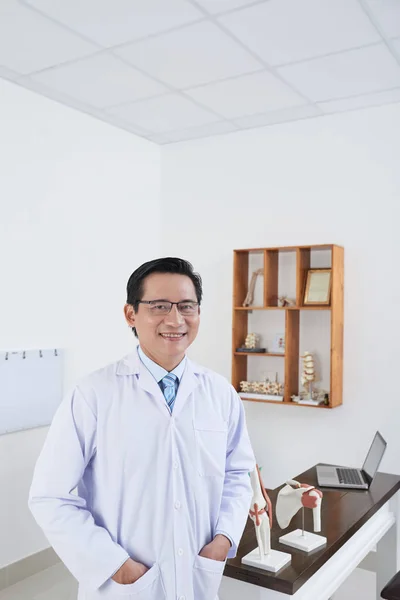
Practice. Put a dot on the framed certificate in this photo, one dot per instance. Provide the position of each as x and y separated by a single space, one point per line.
318 287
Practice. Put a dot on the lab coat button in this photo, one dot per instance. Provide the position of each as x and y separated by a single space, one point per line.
177 504
180 552
182 598
175 464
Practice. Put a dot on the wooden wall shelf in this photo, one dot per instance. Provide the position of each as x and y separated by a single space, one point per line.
291 314
250 308
280 354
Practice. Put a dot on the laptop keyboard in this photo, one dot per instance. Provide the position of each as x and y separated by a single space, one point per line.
349 476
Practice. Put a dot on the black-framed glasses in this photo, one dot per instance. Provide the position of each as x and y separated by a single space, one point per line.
188 308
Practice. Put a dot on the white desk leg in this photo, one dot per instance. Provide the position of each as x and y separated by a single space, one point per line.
388 549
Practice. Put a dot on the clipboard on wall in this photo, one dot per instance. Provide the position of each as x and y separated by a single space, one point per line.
31 388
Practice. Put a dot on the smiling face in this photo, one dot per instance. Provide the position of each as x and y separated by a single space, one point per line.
165 338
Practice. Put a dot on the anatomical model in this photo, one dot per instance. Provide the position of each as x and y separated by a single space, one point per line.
260 513
291 498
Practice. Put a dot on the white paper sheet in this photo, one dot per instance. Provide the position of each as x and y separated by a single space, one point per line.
30 388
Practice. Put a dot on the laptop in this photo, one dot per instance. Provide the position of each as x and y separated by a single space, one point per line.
359 479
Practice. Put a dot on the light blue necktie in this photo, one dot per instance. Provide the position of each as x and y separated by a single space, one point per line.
169 389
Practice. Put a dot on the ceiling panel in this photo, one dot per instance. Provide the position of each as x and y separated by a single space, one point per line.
363 101
220 6
201 132
112 23
101 81
195 55
396 47
8 74
123 124
173 70
54 94
30 42
278 116
350 73
284 31
246 95
387 15
165 113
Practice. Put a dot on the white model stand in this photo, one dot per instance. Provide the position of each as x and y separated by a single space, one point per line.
263 557
303 540
273 561
290 499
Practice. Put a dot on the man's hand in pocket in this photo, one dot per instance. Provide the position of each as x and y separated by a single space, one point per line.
130 572
217 549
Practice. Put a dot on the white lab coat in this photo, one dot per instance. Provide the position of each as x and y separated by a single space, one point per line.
151 485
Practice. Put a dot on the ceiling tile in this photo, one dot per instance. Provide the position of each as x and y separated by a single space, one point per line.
377 99
101 81
30 42
8 74
194 55
57 96
396 46
111 23
201 132
387 15
163 114
80 106
158 138
279 116
220 6
284 31
350 73
123 124
246 95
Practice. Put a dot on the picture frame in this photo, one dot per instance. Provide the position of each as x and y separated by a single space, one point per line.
278 345
318 287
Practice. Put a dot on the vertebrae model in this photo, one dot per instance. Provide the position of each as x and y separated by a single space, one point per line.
261 513
308 374
292 497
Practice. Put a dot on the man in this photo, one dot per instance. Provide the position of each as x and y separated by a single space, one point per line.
158 450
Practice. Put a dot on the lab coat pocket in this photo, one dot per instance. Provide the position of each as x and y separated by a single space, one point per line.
207 575
147 587
211 440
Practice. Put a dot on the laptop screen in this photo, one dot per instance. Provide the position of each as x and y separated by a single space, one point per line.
374 455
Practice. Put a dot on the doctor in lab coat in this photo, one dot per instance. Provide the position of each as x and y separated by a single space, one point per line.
159 466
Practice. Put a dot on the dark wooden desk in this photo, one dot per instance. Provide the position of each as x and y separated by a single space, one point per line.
343 514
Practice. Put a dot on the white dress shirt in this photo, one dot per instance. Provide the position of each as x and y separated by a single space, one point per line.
158 371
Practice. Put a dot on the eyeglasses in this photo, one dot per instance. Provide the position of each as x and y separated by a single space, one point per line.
163 307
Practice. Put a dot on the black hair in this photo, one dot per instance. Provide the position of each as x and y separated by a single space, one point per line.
135 285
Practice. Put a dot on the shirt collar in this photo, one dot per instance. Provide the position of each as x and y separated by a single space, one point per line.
156 370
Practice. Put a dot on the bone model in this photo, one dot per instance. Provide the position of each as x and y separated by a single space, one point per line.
261 513
292 497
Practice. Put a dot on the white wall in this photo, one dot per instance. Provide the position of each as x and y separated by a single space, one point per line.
78 200
336 180
75 198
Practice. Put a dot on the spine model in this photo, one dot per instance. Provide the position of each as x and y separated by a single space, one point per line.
308 374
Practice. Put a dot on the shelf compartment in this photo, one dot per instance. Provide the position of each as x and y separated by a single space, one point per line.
312 257
245 263
315 337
